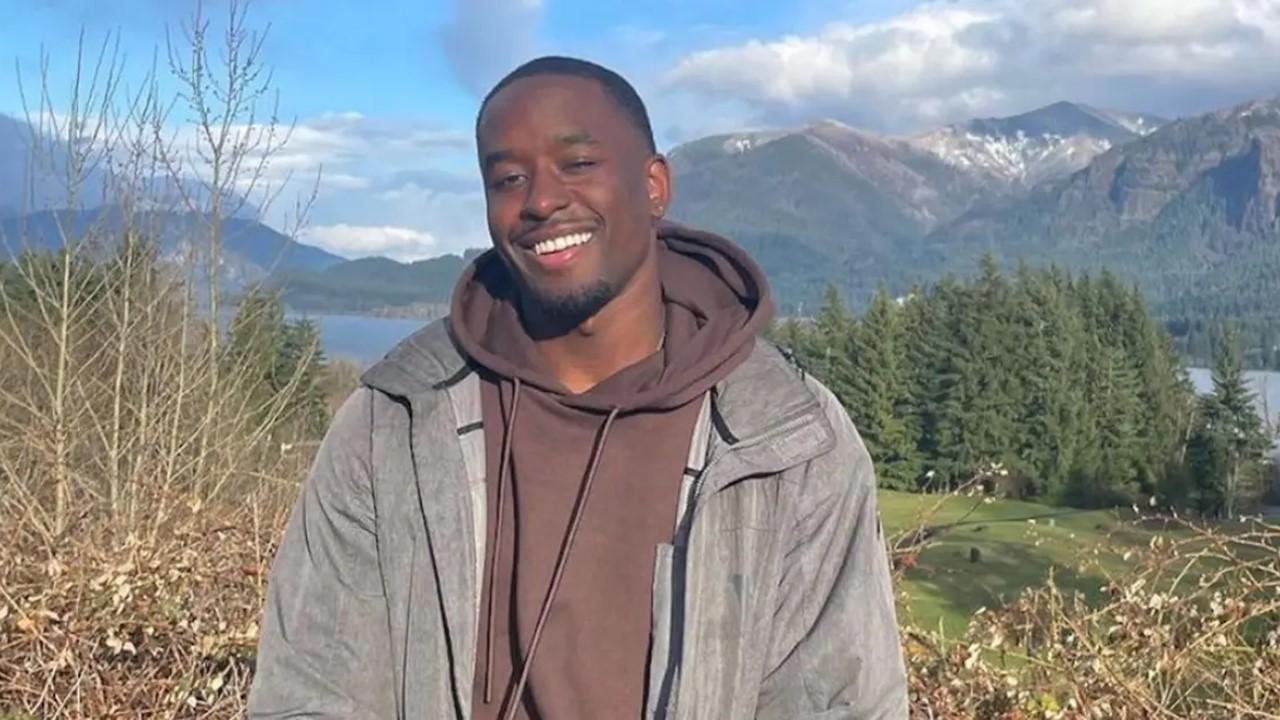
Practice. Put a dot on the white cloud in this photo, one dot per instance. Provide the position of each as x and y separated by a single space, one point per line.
944 61
354 241
387 186
349 147
456 220
345 181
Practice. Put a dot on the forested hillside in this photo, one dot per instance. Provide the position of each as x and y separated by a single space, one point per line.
1059 387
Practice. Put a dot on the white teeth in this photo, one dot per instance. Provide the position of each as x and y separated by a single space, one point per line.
561 243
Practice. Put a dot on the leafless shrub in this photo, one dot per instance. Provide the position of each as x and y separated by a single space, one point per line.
117 398
143 472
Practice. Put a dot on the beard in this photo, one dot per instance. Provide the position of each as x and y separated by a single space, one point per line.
551 315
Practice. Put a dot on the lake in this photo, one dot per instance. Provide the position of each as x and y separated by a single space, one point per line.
366 339
361 338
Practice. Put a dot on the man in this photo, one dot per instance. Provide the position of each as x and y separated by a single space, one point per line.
589 493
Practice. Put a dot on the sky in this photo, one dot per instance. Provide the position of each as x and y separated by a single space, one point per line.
383 94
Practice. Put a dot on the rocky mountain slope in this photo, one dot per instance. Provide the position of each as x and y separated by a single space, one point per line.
831 201
1191 212
1044 144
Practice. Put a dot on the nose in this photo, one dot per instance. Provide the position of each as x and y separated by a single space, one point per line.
546 195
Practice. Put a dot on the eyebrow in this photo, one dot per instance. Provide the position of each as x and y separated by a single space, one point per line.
573 138
577 138
496 157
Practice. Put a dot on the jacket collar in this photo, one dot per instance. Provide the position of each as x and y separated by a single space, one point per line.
764 411
767 417
426 361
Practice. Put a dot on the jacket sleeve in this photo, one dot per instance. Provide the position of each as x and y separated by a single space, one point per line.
836 652
324 649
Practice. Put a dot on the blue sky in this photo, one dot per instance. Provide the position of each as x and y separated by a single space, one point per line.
385 92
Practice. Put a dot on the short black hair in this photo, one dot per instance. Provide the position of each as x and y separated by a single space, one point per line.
615 86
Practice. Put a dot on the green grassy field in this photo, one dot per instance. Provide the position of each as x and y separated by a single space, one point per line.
1018 548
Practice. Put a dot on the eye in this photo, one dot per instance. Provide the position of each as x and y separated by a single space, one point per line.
581 164
507 180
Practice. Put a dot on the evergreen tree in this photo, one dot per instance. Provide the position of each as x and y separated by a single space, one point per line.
827 350
299 370
975 405
1068 383
878 399
926 359
280 361
995 352
947 385
1049 380
254 337
1229 447
1167 397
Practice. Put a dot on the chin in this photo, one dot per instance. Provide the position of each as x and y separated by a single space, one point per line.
570 307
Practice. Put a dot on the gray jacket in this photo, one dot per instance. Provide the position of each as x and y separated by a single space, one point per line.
773 601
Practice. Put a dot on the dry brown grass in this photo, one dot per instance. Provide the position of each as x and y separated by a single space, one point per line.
167 628
132 629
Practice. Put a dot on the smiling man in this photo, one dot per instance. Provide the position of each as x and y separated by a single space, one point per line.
591 492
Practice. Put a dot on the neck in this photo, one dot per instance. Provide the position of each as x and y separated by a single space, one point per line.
624 332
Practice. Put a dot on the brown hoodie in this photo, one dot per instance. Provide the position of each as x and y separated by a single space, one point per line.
583 487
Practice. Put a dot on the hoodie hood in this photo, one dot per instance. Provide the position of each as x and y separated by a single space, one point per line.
716 300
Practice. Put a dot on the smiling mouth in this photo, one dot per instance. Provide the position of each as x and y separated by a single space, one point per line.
562 243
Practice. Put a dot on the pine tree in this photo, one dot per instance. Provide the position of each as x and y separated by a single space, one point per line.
280 361
298 371
878 399
1229 446
1066 382
925 374
942 386
997 349
254 337
1049 381
975 410
828 348
1167 396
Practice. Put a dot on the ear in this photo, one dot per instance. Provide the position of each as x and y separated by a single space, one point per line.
658 183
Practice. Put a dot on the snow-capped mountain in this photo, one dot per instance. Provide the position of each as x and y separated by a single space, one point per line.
829 200
1044 144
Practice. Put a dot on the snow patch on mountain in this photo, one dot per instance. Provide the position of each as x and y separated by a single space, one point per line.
1019 159
1043 144
745 142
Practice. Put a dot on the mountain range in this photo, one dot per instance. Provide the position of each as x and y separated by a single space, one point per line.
1187 209
832 203
34 213
1043 144
374 285
251 251
1191 213
30 175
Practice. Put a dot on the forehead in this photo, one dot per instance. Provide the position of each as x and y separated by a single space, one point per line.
544 106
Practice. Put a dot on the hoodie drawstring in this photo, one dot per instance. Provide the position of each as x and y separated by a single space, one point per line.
504 466
562 560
